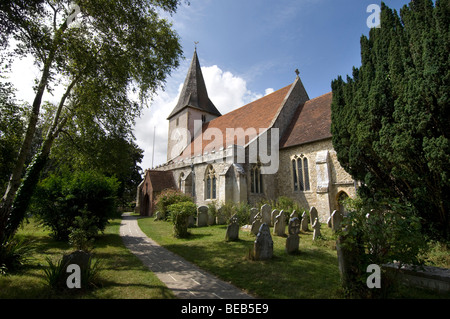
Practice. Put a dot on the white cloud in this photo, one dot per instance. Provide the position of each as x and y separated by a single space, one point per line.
225 90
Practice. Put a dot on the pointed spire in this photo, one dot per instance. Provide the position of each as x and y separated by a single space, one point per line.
194 92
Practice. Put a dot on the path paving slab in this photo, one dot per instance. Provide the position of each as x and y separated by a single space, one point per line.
186 280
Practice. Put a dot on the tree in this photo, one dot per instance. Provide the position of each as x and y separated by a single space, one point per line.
112 48
391 119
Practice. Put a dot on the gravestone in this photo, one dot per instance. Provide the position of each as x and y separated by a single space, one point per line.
253 212
336 219
202 216
263 246
256 224
313 215
304 222
293 240
232 229
273 215
280 225
265 213
316 227
329 222
158 216
294 214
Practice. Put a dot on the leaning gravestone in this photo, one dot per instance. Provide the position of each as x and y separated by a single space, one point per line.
263 246
232 229
304 222
336 219
293 240
316 227
256 224
273 215
202 216
280 225
313 215
265 213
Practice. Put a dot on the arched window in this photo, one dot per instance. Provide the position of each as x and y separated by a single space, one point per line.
294 174
306 173
256 180
211 181
300 173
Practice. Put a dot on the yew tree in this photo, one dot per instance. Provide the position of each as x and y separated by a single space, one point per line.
391 118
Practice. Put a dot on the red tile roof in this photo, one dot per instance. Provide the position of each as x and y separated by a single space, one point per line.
258 114
311 122
161 180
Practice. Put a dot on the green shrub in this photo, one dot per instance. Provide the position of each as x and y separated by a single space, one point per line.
179 213
379 233
169 197
84 231
59 199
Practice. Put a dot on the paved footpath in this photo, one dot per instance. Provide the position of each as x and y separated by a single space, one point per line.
186 280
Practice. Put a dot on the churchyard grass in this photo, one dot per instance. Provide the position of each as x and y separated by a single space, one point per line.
122 275
310 273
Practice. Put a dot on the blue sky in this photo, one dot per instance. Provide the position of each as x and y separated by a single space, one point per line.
248 48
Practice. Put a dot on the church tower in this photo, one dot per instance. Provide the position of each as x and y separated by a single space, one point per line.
193 105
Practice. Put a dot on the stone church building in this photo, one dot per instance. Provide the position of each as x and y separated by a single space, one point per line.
279 145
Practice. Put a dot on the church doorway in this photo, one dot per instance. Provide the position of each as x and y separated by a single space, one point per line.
146 207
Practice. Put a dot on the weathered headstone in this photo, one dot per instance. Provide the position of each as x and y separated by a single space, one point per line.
313 215
265 213
329 222
253 212
280 224
273 215
256 224
316 227
294 214
263 246
304 222
293 240
232 229
202 216
336 219
158 216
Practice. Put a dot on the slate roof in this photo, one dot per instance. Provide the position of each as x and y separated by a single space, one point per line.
194 93
258 114
311 122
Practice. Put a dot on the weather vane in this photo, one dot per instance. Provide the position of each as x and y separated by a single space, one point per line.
297 72
196 42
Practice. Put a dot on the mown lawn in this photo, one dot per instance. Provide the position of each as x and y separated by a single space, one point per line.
122 275
311 273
